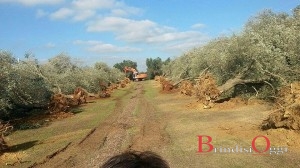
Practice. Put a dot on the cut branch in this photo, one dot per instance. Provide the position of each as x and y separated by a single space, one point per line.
203 72
177 83
237 80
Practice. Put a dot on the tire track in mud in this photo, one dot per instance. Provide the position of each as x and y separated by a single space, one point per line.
134 125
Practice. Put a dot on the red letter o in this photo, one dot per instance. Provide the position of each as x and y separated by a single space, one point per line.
267 147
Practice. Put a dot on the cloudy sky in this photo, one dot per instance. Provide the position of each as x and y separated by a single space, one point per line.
113 30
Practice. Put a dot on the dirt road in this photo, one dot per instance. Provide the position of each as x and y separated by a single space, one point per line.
134 125
169 124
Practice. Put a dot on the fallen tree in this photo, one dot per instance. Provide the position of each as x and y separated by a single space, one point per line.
22 88
257 61
287 109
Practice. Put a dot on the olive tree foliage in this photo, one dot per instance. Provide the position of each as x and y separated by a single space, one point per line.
22 86
275 44
124 63
179 68
266 52
27 84
112 75
66 74
154 66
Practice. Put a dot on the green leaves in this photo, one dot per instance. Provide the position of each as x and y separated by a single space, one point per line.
27 84
267 48
154 66
124 63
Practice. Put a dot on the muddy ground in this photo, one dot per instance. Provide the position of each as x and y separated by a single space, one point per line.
169 124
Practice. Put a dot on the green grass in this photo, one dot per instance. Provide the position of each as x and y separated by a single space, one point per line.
150 91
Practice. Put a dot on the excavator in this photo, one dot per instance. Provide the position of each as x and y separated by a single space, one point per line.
136 75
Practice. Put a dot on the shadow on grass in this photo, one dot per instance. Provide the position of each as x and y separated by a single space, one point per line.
22 146
76 110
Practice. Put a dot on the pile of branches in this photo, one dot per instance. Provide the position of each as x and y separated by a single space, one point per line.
287 113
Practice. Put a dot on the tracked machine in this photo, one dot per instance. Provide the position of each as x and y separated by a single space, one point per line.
136 75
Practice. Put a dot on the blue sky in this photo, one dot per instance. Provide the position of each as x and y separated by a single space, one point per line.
113 30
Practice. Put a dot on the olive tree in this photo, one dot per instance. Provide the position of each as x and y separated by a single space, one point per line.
23 87
264 54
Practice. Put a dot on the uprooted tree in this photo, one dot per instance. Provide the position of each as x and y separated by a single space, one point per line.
258 61
287 109
27 84
22 87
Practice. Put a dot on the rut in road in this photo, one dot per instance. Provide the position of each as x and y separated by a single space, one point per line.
134 125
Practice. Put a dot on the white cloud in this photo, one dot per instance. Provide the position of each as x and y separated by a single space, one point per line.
89 42
104 48
100 47
118 24
128 29
112 16
84 14
86 9
95 4
118 12
125 11
62 13
175 36
198 26
146 31
33 2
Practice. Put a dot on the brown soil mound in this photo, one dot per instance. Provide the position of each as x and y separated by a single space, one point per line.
186 88
287 113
